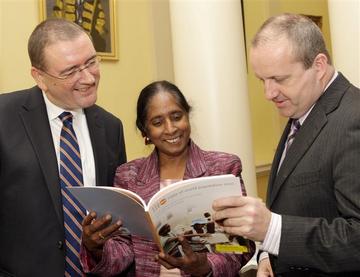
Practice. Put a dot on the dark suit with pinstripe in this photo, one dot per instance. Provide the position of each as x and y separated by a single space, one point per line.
31 214
317 189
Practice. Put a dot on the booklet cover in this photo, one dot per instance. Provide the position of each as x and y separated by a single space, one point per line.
182 208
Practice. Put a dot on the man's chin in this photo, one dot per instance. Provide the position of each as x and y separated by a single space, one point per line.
88 102
285 113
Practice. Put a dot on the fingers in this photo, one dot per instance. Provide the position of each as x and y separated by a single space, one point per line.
97 231
161 258
186 247
225 202
238 231
167 260
221 215
107 231
88 219
192 263
101 236
244 216
100 223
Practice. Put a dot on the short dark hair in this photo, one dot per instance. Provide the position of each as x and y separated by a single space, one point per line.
150 91
304 35
48 32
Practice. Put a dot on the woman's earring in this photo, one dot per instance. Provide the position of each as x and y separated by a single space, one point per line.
147 141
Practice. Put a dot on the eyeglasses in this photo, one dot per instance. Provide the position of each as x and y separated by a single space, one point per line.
74 72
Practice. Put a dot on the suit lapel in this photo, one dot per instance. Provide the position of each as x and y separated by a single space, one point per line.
308 132
276 160
303 140
36 123
98 141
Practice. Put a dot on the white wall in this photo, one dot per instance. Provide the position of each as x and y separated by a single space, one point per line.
345 37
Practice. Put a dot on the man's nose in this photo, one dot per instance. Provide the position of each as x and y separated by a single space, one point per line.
86 75
271 90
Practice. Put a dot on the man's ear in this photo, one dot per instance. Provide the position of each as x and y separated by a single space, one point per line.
320 64
39 78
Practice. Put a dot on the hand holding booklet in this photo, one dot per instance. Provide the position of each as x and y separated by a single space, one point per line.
183 208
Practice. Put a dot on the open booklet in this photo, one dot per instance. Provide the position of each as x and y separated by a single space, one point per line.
182 208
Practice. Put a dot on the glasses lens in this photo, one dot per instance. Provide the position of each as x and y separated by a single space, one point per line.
92 63
74 73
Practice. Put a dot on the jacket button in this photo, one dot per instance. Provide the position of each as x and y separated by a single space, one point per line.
60 244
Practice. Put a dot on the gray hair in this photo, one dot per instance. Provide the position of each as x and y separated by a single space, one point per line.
48 32
304 35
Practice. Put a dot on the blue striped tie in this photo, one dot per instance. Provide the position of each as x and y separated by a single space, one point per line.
70 176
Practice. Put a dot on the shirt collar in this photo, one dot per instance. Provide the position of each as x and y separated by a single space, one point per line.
302 119
331 80
54 111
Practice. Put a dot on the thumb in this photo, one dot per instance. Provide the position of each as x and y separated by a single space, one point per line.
186 246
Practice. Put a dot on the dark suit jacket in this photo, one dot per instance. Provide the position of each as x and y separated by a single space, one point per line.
317 189
31 217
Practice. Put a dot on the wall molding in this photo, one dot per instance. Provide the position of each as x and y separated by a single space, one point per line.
263 169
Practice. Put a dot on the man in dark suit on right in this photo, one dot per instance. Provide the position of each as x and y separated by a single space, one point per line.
311 225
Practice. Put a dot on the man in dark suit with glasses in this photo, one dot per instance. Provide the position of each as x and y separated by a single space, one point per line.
34 232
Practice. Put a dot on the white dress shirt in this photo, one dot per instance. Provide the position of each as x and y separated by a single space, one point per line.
82 134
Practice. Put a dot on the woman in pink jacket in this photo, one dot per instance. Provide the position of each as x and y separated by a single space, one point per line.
163 119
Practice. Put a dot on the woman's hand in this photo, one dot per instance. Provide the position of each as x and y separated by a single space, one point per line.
192 263
97 231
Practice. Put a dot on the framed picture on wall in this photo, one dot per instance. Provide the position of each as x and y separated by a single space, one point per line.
96 17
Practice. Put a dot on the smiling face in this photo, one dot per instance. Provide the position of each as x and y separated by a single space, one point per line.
167 125
287 83
79 91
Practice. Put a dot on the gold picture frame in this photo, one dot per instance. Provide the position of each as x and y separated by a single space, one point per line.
97 17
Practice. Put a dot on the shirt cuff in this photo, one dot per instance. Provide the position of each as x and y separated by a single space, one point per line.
271 242
262 256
